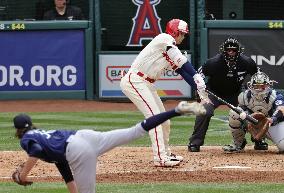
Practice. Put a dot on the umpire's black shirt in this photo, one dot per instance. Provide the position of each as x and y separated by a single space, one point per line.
225 81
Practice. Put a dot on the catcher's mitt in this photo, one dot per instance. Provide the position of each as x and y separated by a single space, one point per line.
259 130
16 177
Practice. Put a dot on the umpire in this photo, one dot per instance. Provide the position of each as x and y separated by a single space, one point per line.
226 73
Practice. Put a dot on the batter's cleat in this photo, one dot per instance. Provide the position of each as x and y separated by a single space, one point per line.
190 108
233 148
177 157
167 162
260 145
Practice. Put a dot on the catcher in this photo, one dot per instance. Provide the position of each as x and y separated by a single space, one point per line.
266 105
75 153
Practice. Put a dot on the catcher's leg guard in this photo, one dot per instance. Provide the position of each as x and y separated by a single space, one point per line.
239 141
238 134
236 128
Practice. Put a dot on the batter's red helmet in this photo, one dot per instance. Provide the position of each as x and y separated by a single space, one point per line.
175 26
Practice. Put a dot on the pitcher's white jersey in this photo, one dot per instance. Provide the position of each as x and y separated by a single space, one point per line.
153 59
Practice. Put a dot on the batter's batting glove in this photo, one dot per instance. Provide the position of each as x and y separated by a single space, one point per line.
190 108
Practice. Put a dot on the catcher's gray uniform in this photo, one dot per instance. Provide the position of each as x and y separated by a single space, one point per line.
268 106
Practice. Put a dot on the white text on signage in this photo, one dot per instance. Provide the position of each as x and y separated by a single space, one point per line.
50 75
271 60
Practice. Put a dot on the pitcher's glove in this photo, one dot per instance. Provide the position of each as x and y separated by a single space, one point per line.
259 130
16 177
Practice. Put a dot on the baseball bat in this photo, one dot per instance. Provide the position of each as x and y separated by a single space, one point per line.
248 117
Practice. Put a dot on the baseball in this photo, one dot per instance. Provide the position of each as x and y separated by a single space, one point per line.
243 115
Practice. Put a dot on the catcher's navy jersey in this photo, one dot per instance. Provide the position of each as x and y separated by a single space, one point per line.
46 145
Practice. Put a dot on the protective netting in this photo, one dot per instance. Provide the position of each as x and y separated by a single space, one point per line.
34 9
251 9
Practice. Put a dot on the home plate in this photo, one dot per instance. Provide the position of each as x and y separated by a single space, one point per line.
231 167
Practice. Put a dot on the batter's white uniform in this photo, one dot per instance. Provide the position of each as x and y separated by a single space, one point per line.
267 106
138 86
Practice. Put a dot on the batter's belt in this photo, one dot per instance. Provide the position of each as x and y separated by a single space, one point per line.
145 77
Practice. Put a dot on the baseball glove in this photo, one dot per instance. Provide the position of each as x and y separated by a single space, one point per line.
16 177
259 130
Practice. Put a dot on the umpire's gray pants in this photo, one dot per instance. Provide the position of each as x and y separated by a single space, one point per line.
84 148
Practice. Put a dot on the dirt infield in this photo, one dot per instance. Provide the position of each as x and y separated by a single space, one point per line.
134 164
128 164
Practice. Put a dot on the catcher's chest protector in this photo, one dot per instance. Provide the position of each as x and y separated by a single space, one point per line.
259 106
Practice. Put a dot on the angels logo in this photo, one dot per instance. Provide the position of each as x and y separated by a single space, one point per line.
146 23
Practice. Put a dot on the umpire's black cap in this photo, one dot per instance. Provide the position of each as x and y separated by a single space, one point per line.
22 121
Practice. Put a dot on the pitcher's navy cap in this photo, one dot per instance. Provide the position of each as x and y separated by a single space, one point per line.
22 121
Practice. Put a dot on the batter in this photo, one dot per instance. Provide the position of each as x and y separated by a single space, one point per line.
159 55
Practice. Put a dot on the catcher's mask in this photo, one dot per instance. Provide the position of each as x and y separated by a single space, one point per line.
231 50
260 85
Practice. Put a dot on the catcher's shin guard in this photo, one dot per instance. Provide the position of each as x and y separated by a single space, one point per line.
239 141
238 135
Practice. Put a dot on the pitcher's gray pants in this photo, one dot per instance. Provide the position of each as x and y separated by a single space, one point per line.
85 146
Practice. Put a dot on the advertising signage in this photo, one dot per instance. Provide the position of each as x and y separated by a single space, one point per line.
42 60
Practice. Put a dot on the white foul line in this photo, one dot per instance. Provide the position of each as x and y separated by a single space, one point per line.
231 167
46 176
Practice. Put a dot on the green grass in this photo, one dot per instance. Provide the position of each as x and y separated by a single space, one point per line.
153 188
182 127
9 187
218 132
191 188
